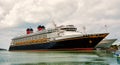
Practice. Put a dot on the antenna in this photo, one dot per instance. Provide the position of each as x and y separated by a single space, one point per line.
54 24
106 28
84 29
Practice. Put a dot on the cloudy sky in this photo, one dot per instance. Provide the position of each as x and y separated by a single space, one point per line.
96 15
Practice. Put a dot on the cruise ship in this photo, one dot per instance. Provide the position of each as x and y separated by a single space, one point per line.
60 38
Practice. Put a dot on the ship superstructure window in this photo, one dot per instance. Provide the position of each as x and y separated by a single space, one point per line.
13 41
51 30
31 38
37 36
44 36
34 37
68 28
26 38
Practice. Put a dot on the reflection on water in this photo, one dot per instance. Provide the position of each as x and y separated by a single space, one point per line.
55 58
69 63
118 60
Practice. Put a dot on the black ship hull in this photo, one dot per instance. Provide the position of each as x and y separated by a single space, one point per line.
84 42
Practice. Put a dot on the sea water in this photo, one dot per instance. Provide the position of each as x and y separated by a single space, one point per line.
57 58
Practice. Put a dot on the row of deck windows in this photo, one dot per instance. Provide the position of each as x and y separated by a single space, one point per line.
34 37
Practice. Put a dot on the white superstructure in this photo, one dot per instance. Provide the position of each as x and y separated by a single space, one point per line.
60 32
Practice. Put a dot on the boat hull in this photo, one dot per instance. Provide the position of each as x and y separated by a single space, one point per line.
81 43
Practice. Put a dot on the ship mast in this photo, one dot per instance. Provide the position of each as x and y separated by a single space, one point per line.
55 26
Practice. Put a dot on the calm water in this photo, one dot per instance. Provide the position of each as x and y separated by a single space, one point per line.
56 58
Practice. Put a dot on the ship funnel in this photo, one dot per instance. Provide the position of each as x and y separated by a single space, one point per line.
29 30
40 28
